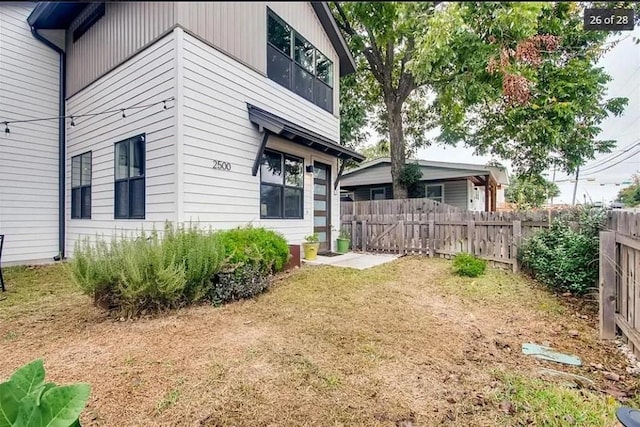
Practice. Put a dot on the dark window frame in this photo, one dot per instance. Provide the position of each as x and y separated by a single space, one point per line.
142 139
81 188
283 185
89 21
291 57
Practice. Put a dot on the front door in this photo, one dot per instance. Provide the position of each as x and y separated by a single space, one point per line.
322 204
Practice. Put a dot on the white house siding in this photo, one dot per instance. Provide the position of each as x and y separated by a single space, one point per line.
29 154
146 78
217 127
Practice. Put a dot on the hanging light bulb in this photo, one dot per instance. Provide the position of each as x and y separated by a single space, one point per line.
123 114
6 127
72 124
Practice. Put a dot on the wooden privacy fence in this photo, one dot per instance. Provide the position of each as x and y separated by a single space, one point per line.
494 236
619 279
395 207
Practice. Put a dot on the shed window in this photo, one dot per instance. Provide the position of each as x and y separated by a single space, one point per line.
297 65
130 178
435 192
378 193
281 186
81 186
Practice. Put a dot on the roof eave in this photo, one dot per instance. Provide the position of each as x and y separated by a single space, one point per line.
347 63
55 15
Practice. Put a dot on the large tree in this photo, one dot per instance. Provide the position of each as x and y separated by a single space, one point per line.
515 80
530 191
630 196
382 36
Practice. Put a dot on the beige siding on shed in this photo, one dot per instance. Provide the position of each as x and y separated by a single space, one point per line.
29 85
455 194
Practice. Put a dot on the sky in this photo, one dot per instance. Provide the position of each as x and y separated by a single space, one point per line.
623 65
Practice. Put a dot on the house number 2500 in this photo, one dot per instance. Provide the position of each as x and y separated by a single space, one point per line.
219 164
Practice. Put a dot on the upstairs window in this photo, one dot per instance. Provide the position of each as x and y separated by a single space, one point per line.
81 186
297 65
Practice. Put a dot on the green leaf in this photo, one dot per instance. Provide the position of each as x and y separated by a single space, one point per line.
27 379
8 405
59 407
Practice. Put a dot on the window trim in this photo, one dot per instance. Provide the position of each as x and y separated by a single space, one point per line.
426 191
82 186
372 189
293 63
138 138
283 186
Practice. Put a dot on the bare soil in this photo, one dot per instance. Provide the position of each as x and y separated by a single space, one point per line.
401 344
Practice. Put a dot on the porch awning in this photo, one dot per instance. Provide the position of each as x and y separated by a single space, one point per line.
278 126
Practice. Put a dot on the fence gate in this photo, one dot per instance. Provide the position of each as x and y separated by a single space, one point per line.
619 280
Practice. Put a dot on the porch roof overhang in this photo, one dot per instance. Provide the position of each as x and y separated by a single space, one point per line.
51 15
276 125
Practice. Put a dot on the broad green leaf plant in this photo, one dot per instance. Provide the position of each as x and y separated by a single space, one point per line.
27 401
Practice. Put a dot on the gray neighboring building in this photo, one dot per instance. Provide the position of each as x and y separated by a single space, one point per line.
467 186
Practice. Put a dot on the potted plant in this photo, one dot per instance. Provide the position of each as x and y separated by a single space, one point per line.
343 241
310 246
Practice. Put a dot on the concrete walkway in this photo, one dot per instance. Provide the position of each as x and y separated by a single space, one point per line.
359 261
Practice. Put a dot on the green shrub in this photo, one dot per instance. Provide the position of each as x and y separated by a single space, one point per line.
264 249
468 265
243 282
26 400
565 256
186 265
149 273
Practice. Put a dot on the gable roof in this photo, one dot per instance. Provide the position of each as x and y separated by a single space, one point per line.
456 169
49 15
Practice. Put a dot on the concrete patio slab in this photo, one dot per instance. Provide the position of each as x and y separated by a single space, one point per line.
359 261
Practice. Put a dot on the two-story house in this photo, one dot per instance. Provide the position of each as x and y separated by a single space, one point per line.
124 115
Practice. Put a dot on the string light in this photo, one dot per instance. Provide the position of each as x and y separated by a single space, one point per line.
75 116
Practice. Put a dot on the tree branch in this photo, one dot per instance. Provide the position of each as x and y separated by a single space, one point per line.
345 25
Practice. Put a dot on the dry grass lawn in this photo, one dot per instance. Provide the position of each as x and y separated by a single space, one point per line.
401 344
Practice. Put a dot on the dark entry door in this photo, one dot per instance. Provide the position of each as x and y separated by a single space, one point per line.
322 204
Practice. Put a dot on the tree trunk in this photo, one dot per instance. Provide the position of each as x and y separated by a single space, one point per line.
396 149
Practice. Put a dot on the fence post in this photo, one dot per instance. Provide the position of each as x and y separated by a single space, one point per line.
364 235
432 238
354 225
401 242
515 244
608 263
471 234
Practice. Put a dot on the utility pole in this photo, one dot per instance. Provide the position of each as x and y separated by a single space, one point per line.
575 187
553 181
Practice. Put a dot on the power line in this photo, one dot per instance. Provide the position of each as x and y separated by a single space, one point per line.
606 160
618 162
6 123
